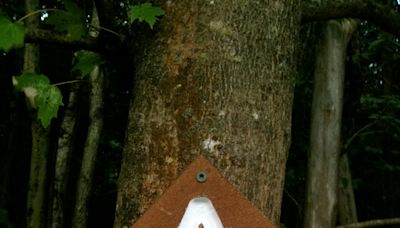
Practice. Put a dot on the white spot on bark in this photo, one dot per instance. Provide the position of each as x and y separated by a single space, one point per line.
211 2
178 87
210 144
169 160
255 115
220 27
232 56
222 114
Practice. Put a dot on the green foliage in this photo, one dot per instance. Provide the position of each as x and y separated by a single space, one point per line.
86 61
71 20
377 143
48 101
44 96
47 98
11 34
145 12
384 110
31 80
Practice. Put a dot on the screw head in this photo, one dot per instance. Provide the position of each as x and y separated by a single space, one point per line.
201 177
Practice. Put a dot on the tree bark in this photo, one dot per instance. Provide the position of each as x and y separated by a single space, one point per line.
84 185
326 114
63 156
217 80
36 206
347 211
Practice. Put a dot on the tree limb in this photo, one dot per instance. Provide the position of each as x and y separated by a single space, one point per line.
383 16
371 223
51 37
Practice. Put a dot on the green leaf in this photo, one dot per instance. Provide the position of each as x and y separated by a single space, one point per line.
145 12
71 20
86 61
27 80
48 101
12 35
47 98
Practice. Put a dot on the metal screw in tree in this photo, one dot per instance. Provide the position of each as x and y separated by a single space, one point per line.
201 177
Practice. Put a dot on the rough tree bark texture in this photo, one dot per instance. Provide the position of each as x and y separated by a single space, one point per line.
217 80
322 177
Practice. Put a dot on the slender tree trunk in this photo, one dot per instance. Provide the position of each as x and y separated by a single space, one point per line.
65 147
325 145
218 81
36 207
84 185
62 163
37 178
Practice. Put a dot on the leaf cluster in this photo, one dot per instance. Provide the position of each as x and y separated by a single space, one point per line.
46 98
12 34
71 20
86 61
145 12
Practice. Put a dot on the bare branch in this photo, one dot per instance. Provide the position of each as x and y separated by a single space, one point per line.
383 16
371 223
50 37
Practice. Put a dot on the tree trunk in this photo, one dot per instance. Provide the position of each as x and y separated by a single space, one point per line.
325 145
37 178
36 207
347 211
84 185
63 157
218 81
